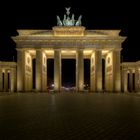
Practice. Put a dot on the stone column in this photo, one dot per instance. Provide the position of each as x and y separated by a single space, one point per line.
138 83
31 80
44 78
30 75
131 81
108 72
40 71
6 80
79 70
122 79
1 80
116 71
13 80
98 70
92 73
9 80
125 81
137 80
21 70
57 70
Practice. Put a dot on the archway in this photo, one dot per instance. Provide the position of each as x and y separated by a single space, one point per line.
68 74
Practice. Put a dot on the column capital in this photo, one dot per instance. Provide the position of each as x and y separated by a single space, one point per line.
21 49
97 49
57 49
39 49
80 49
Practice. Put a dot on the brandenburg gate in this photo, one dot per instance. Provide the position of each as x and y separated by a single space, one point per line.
69 40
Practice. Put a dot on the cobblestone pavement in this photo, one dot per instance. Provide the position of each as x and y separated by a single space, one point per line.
41 116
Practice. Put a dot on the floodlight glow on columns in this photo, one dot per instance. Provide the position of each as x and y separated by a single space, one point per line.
8 71
3 70
50 52
87 52
104 52
68 52
33 52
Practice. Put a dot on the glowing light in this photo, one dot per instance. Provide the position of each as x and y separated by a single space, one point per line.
50 52
68 52
3 70
32 51
8 71
105 52
87 52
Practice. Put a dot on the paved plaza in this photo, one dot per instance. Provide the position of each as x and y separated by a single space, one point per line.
69 116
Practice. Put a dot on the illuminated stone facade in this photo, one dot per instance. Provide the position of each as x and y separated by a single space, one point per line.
71 42
8 80
131 76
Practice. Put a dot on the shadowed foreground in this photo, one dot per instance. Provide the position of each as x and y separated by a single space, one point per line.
69 116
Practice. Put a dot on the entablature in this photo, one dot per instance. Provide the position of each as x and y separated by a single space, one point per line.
8 64
71 29
130 65
67 43
85 39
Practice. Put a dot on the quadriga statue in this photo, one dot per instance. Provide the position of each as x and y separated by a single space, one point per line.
79 22
67 21
59 23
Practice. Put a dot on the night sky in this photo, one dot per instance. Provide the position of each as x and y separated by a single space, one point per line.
42 15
